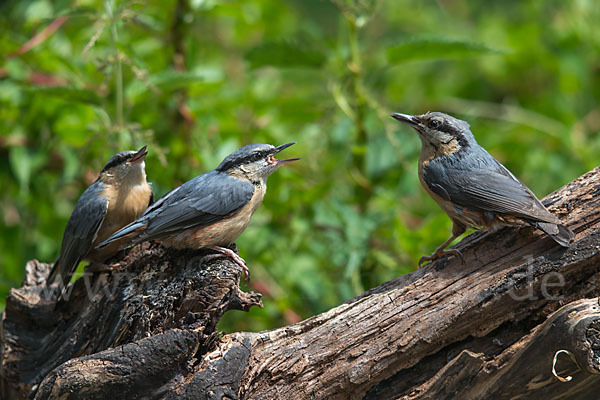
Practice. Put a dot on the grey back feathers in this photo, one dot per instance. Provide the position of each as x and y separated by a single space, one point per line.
477 180
91 212
199 202
480 182
80 232
208 198
468 176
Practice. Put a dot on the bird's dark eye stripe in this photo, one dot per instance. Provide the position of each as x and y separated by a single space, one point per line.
435 123
443 127
116 160
249 158
257 156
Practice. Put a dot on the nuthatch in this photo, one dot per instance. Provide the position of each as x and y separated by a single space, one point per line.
471 186
211 210
116 198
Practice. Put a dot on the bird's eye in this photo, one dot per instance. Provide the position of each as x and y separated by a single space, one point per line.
435 123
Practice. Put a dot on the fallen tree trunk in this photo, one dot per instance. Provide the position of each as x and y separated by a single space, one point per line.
494 327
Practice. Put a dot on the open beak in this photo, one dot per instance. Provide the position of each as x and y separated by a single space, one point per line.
139 156
273 160
408 119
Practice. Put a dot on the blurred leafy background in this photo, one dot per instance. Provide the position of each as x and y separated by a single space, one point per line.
196 79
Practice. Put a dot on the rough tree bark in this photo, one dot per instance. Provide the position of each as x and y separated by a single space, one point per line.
489 328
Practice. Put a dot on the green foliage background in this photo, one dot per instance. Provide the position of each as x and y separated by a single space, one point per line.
196 79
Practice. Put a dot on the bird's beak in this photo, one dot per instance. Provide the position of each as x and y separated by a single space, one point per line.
139 156
407 119
285 160
283 146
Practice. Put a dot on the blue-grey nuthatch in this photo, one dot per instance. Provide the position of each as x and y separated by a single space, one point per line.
211 210
471 186
116 198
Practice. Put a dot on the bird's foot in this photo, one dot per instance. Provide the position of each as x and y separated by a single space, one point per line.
231 254
440 254
101 267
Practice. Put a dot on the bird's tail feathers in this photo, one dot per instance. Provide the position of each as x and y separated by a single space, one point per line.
53 273
57 275
129 230
560 233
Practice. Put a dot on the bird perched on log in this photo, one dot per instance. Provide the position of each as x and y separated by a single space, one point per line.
211 210
116 198
471 186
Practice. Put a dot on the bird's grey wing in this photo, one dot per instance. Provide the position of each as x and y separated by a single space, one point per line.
80 232
199 202
156 205
485 184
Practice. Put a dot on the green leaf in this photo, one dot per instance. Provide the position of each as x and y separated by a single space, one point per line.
67 93
79 11
37 10
148 21
21 165
284 54
170 80
436 47
17 69
71 127
380 156
24 163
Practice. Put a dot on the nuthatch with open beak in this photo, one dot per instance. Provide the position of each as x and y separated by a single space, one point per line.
211 210
471 186
116 198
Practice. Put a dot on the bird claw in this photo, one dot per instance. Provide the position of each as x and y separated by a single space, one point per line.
100 268
425 259
225 252
440 254
457 253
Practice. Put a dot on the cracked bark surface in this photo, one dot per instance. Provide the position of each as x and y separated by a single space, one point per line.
138 332
488 328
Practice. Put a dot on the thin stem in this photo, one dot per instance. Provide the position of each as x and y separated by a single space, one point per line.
109 5
363 192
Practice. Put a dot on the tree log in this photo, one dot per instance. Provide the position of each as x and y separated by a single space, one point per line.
135 332
495 326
